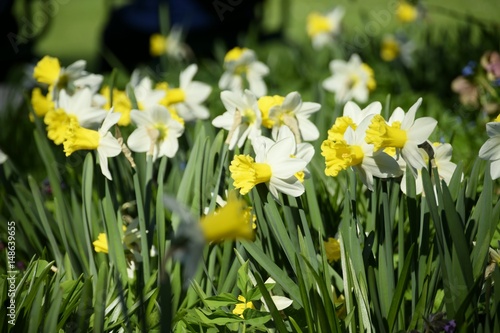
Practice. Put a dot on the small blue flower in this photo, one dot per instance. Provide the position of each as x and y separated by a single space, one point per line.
468 70
450 327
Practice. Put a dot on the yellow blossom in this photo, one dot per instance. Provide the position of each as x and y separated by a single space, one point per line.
332 249
241 307
47 70
79 138
121 104
381 135
157 44
336 132
41 104
317 24
229 222
339 156
57 122
390 49
246 173
265 104
406 12
101 244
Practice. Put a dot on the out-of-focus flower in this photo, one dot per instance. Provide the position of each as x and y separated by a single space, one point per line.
49 71
41 104
406 12
229 222
242 117
350 80
354 151
265 104
242 64
101 243
241 307
352 117
3 157
157 132
394 47
274 165
468 92
79 107
188 98
121 104
490 150
332 249
491 63
294 113
437 322
322 29
442 153
405 139
80 138
146 95
171 45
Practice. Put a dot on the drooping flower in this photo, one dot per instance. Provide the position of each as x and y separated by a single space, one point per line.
274 165
352 116
322 29
242 117
157 132
171 45
294 113
404 137
106 145
188 98
242 64
49 71
350 80
79 107
442 153
490 150
353 151
230 222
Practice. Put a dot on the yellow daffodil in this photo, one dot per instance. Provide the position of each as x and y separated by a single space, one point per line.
352 116
406 12
121 104
241 307
322 29
171 45
332 249
265 104
41 104
101 244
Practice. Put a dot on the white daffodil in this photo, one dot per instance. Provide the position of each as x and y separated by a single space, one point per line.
442 161
171 45
353 151
242 118
322 29
274 165
352 117
281 302
106 145
49 71
78 106
145 94
350 80
188 97
294 113
396 47
3 157
156 133
490 150
405 137
241 63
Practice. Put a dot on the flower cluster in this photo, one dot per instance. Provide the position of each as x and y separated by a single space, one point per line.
376 147
79 112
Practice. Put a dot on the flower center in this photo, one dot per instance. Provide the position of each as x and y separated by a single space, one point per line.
339 155
234 54
162 131
381 135
246 173
175 95
248 116
317 24
336 132
265 104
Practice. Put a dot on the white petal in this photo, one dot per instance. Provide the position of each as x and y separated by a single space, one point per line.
493 128
287 168
225 120
351 110
308 130
103 162
187 75
139 140
281 302
307 108
110 120
141 118
292 186
495 169
198 92
421 130
257 85
232 100
490 150
109 146
291 101
281 150
412 156
410 115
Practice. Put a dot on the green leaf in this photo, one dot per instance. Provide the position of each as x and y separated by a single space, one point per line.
224 299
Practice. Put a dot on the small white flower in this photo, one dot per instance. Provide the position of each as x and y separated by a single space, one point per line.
352 116
241 63
145 95
81 106
323 29
350 80
242 118
3 157
156 132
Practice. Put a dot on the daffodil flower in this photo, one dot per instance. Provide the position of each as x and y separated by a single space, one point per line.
443 165
145 94
294 113
242 118
274 165
188 98
406 12
353 151
106 145
352 117
171 45
242 306
157 132
350 80
405 138
49 71
241 63
394 47
322 29
265 104
332 249
78 107
490 150
3 157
